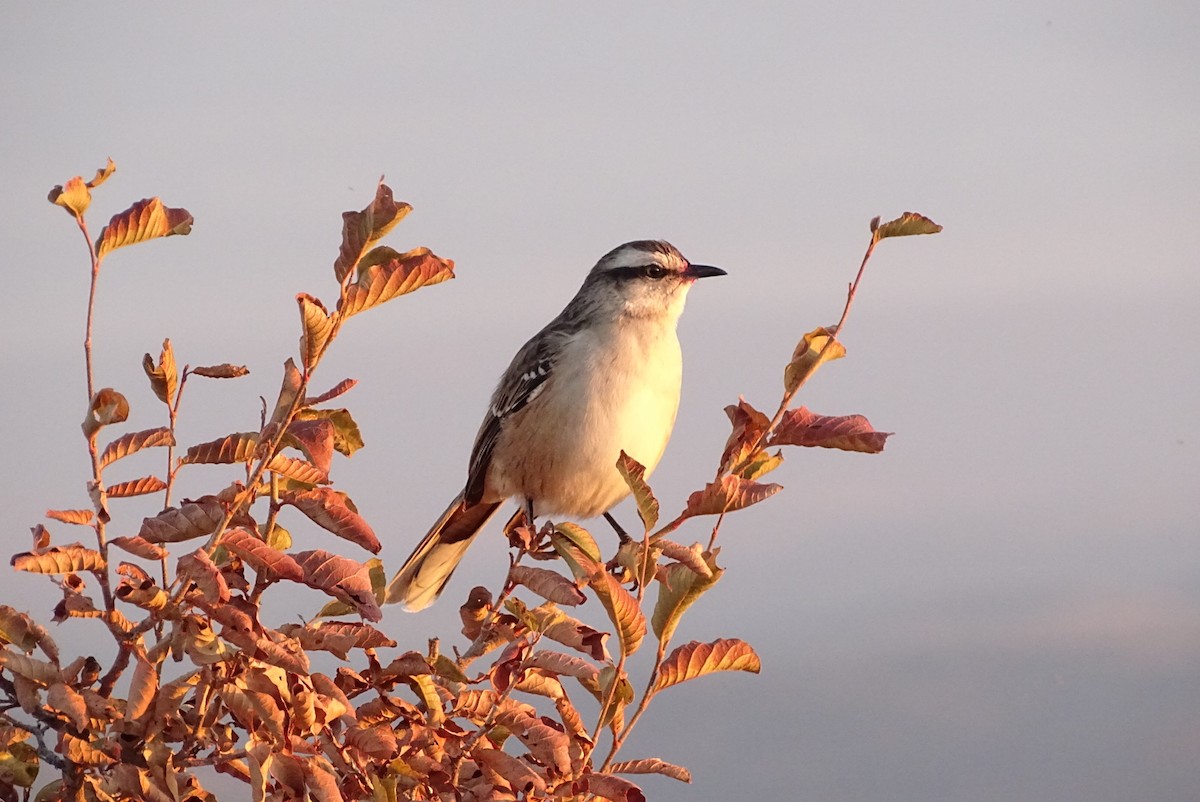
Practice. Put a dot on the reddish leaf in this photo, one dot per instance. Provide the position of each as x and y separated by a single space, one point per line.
191 519
623 610
282 651
360 230
346 437
233 448
341 578
315 438
331 510
199 568
137 487
800 427
162 374
729 494
301 470
607 786
549 745
262 557
697 659
107 406
563 664
693 558
146 219
133 442
223 371
338 636
393 275
548 584
519 775
341 387
317 327
748 425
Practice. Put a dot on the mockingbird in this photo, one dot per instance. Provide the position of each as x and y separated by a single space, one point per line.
601 377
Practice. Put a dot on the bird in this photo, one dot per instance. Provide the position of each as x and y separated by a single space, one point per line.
602 377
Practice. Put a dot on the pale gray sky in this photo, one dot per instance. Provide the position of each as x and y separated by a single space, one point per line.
1005 605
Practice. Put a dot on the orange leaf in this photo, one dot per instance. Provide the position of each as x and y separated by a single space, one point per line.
748 425
623 610
77 517
331 510
72 196
137 487
317 328
139 547
548 745
199 568
223 371
143 687
315 438
144 220
607 786
107 406
634 474
906 225
814 349
162 375
339 388
301 470
696 659
563 664
133 442
800 427
396 274
232 448
59 560
68 701
360 230
652 765
728 494
519 775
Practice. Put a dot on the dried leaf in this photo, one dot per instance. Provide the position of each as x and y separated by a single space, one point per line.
341 387
298 469
133 442
315 439
623 610
284 652
139 547
22 631
800 427
748 426
729 494
137 487
634 474
905 225
223 371
84 752
289 392
72 196
693 557
262 557
696 659
320 780
652 765
107 406
341 578
59 560
227 450
143 688
549 745
814 349
361 230
607 786
66 700
144 220
192 519
338 636
395 274
333 511
679 587
77 517
563 665
519 775
547 584
31 668
317 328
199 568
162 374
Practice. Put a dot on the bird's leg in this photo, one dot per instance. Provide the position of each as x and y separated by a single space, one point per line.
622 535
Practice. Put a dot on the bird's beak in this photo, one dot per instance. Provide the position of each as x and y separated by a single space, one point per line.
702 271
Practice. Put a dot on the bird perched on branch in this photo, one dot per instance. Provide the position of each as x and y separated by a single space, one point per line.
602 377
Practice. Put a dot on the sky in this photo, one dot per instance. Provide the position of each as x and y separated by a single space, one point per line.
1003 605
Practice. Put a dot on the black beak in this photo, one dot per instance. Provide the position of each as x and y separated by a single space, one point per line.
702 271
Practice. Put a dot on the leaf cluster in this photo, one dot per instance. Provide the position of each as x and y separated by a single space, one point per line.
202 679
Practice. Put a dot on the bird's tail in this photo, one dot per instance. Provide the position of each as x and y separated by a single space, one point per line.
428 568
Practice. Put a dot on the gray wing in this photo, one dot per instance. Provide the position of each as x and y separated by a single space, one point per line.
525 378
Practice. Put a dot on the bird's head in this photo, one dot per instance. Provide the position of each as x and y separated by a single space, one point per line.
645 278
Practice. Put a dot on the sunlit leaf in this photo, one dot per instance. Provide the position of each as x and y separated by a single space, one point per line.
341 578
634 474
289 392
338 636
333 511
66 700
400 274
198 567
607 786
223 371
800 427
314 319
814 349
564 665
518 774
361 230
143 687
162 375
74 196
133 442
139 547
748 425
678 588
77 517
146 219
549 746
341 387
729 494
346 437
905 225
693 557
696 659
137 487
19 629
107 406
315 438
623 610
59 560
260 556
652 765
548 584
578 549
230 449
191 519
84 752
298 469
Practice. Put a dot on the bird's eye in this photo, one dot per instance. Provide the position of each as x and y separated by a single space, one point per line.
655 271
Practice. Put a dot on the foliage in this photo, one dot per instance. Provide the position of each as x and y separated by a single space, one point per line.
199 678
